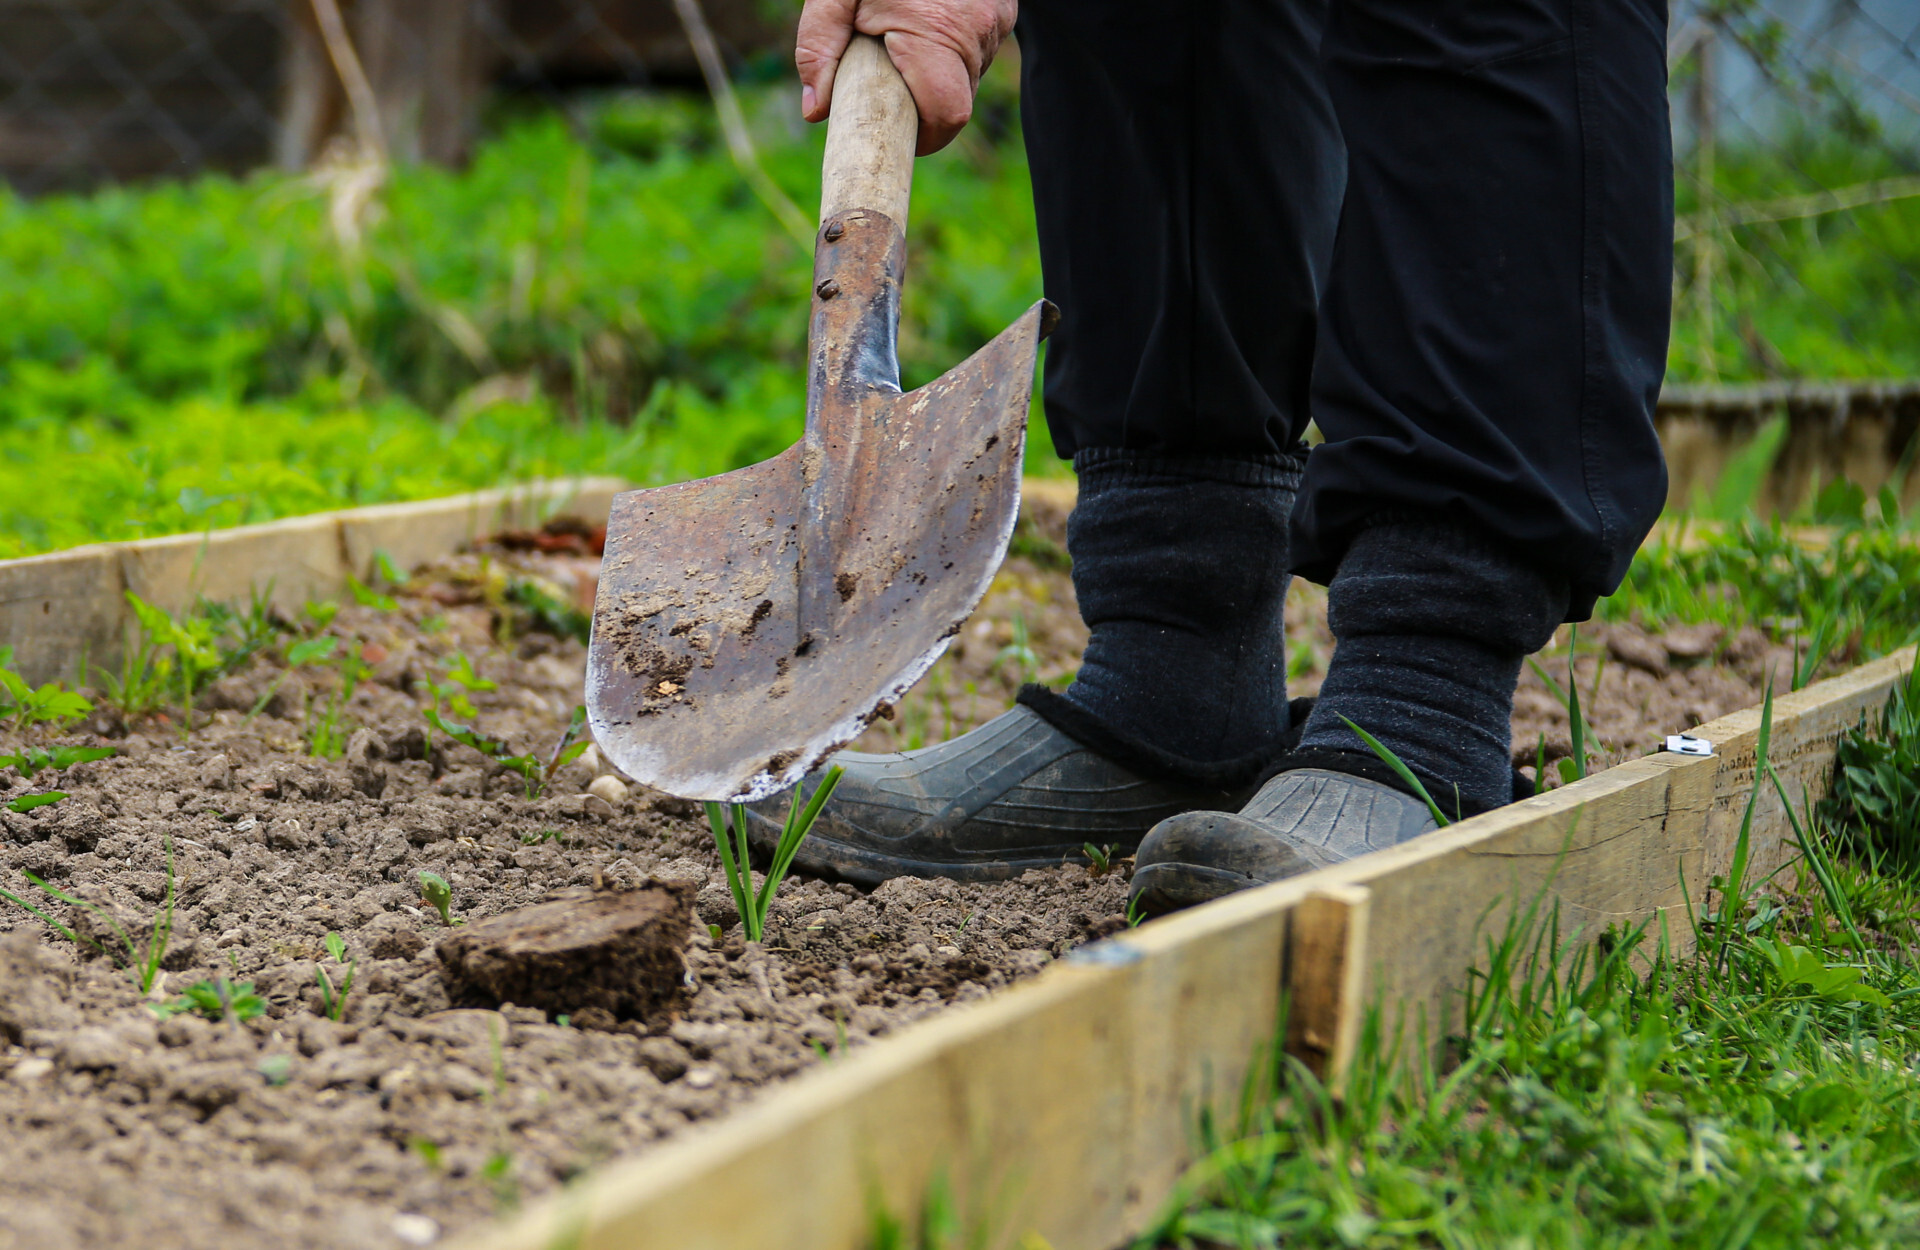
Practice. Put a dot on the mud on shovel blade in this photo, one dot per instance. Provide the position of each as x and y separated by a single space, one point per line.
749 625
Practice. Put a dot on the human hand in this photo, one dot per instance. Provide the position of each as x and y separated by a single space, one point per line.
941 47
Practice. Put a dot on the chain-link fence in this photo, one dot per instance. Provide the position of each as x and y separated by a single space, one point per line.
1797 158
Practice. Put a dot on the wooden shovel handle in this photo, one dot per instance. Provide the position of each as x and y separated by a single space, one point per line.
870 136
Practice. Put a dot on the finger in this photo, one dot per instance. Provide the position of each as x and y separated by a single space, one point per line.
826 27
941 83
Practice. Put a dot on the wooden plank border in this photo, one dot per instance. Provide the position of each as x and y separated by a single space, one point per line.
55 609
1066 1106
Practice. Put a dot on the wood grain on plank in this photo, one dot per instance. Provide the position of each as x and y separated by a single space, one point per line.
57 608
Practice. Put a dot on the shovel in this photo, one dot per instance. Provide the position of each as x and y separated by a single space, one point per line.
751 624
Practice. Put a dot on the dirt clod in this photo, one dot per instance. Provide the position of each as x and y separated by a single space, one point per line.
614 950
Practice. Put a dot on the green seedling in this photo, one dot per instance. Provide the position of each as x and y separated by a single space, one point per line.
429 1152
321 612
1136 913
385 572
451 695
1802 972
729 827
217 1000
333 1001
438 895
549 612
1018 652
327 727
367 597
27 706
497 1172
303 654
195 643
27 802
537 773
1099 858
31 760
1401 771
276 1070
542 836
143 964
1574 767
174 657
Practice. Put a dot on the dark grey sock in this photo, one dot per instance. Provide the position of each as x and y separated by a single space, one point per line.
1180 565
1432 622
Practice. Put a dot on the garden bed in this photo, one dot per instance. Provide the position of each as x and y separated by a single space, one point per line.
414 1115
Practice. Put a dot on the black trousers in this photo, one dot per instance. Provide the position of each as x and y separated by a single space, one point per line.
1441 229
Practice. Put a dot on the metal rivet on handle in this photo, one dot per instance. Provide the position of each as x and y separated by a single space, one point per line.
834 230
827 289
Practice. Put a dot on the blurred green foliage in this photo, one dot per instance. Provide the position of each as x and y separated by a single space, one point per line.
1816 294
599 292
589 296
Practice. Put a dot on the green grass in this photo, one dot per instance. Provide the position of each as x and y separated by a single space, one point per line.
605 298
1833 295
1760 1092
1852 595
603 294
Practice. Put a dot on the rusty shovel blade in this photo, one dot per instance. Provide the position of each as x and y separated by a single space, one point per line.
751 624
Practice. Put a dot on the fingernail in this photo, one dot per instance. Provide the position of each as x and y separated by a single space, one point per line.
807 100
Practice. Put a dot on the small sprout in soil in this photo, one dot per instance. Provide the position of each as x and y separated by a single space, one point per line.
1574 767
1403 772
543 835
333 1001
302 654
27 706
537 773
1018 652
144 965
367 597
497 1172
729 828
149 675
27 802
322 612
1100 858
438 895
1136 913
549 612
429 1152
713 931
30 760
326 719
276 1069
451 694
217 1000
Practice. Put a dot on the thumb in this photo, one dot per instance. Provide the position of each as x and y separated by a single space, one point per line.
826 27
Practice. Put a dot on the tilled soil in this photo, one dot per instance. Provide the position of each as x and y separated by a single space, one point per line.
413 1116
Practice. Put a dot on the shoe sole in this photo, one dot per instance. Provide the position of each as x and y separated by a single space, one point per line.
1162 888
